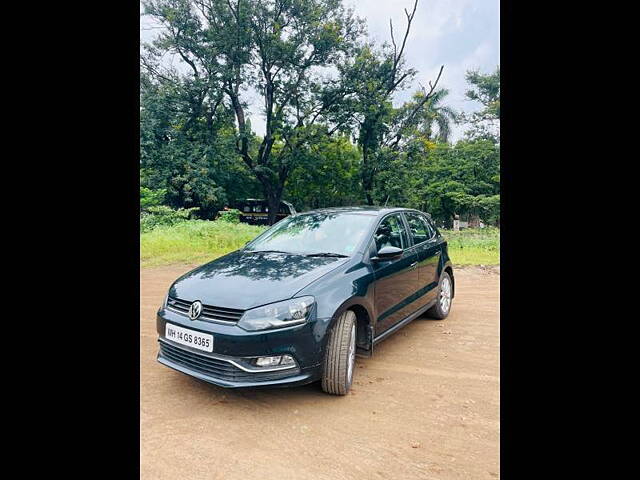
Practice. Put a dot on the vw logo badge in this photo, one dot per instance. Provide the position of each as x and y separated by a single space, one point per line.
195 310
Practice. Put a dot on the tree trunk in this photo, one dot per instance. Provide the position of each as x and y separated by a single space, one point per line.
273 196
367 176
273 202
369 198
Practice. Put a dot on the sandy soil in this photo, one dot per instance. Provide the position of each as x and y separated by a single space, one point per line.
425 406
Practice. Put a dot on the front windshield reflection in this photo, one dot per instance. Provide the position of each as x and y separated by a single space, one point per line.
337 233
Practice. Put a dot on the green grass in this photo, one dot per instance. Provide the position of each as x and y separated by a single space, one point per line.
474 246
193 241
198 241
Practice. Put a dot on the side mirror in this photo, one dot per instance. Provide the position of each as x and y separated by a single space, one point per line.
388 253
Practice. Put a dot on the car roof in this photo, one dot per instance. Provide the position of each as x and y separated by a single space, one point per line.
364 209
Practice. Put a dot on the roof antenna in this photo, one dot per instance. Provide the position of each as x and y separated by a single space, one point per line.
385 202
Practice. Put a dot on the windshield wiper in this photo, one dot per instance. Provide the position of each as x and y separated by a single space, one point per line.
326 254
269 251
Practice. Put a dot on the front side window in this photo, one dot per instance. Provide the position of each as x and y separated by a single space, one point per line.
419 228
391 233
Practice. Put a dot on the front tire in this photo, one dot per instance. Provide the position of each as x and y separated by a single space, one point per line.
442 307
340 356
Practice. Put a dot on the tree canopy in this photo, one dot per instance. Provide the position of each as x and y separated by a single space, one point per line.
332 135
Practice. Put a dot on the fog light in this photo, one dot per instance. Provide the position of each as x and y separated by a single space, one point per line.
275 361
268 361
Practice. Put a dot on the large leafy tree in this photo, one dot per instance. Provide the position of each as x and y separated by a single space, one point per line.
273 50
179 153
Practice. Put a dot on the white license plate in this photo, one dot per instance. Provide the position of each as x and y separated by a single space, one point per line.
190 338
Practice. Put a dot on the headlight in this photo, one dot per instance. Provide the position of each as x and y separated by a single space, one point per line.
277 315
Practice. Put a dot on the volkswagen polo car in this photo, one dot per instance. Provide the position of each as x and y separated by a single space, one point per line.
299 301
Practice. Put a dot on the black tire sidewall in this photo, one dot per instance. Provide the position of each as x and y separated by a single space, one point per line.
337 338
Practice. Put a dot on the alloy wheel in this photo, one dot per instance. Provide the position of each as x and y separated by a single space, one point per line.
352 354
445 294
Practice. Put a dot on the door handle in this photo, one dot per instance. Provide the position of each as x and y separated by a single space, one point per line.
438 252
413 265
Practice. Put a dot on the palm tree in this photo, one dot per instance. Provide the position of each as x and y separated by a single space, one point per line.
436 118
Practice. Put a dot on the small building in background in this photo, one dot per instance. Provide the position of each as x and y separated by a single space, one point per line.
461 222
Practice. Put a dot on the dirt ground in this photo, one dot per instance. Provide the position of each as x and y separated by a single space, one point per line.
426 405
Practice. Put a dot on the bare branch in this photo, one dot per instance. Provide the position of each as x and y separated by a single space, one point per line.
146 64
397 54
393 40
234 12
407 121
188 60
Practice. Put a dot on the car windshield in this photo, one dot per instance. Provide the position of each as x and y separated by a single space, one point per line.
316 233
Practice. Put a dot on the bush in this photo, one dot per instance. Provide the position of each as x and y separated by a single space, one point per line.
151 198
231 216
163 215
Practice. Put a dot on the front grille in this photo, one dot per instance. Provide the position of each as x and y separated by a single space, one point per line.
208 312
218 368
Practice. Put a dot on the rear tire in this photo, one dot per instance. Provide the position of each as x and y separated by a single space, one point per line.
444 298
339 361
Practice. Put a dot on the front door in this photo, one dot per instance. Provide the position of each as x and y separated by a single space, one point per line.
395 280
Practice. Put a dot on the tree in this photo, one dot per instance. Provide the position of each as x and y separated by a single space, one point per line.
326 175
462 179
486 90
444 179
194 162
367 85
433 121
277 48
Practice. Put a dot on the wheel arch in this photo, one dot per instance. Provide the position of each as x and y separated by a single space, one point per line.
364 319
449 269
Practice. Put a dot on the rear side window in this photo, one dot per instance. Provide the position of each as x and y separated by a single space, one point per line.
391 233
419 228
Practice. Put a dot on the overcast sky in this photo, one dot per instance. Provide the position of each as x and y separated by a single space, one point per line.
459 34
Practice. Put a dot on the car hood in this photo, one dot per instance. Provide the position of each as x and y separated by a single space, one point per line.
245 279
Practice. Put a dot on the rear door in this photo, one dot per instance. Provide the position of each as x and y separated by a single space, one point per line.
427 250
395 280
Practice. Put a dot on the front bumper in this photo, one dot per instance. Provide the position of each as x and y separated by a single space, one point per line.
221 367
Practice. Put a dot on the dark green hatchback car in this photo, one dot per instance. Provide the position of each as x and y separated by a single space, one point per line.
298 302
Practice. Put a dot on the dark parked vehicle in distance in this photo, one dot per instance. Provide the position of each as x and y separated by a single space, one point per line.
299 301
256 212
